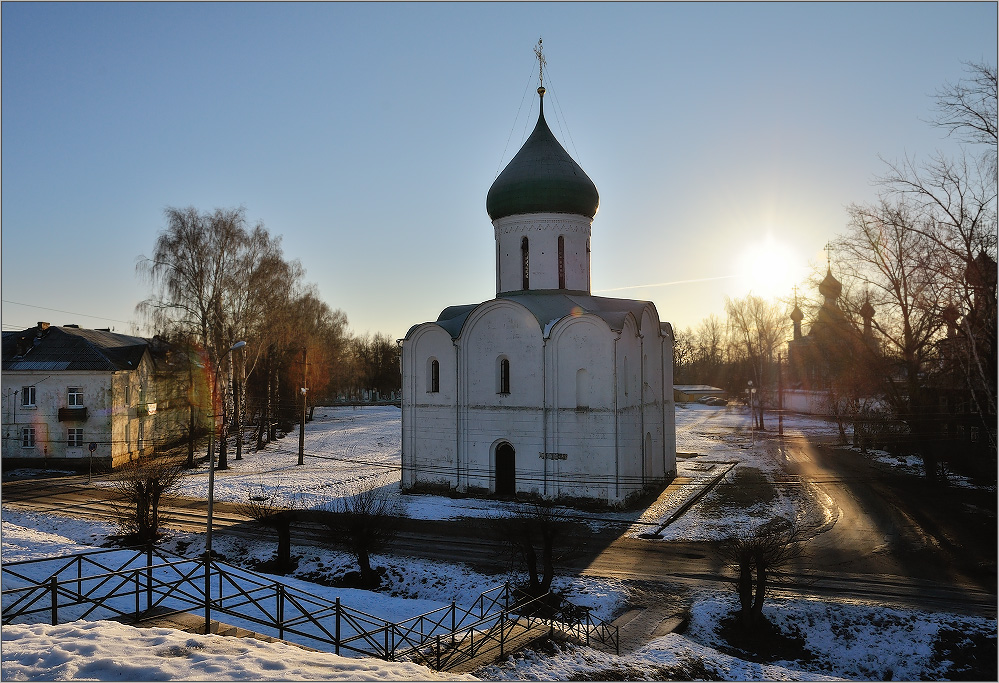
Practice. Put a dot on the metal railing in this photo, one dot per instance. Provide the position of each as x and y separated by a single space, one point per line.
139 584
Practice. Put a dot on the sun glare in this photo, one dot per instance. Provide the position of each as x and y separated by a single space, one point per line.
769 269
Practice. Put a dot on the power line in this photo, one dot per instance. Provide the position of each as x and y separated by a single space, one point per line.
59 310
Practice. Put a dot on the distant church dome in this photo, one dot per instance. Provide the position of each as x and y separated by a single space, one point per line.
830 287
542 178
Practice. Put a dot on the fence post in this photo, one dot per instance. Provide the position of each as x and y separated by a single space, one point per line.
79 578
137 573
502 630
438 667
54 589
453 626
336 641
506 595
208 594
387 658
280 609
149 577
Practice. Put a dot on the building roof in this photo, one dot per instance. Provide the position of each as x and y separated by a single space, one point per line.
542 178
71 348
698 389
550 306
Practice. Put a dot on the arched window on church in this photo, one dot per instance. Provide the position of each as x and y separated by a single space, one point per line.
587 264
525 257
561 262
504 376
434 376
627 377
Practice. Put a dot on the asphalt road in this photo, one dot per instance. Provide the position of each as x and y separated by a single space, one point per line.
886 539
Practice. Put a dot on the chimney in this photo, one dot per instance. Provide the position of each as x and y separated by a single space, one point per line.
42 327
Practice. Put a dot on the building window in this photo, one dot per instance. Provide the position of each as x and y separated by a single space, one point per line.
434 376
582 389
561 262
127 387
28 397
75 397
75 439
504 376
141 437
28 437
525 257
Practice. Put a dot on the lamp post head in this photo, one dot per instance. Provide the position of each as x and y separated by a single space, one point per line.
238 345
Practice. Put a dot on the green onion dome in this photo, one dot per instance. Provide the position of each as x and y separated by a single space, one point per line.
542 178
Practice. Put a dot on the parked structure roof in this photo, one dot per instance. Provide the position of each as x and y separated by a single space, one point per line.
71 348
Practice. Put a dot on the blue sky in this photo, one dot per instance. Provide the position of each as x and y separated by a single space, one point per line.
368 135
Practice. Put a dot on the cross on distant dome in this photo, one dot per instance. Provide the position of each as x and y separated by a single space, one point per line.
541 62
829 248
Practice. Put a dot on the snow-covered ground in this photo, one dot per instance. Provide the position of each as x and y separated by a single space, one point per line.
360 447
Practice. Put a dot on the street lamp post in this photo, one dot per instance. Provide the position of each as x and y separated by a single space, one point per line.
238 408
752 411
305 391
211 496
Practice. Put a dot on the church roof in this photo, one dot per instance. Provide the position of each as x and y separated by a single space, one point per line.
542 178
830 287
550 306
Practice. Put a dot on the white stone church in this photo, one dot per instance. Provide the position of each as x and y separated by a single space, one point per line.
545 390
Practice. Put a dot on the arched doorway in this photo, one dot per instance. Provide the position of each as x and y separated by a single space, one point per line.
506 470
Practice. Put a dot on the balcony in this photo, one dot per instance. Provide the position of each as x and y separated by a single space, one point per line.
72 414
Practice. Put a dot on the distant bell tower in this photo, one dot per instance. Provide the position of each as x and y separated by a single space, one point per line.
542 206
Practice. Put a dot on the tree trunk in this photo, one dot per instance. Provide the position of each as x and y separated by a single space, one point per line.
190 439
745 589
761 592
284 544
531 560
547 563
369 577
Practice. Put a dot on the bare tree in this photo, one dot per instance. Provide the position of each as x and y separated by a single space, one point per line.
268 514
139 486
892 259
364 522
766 551
538 534
969 107
761 328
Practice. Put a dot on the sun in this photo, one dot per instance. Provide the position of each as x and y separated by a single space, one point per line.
768 269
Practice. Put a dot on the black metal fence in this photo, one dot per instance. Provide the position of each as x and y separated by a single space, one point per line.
143 583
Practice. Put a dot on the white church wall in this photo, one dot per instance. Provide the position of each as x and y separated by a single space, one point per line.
629 418
495 331
582 424
429 449
542 232
669 405
658 452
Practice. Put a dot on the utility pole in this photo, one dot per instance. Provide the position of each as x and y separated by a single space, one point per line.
780 397
305 389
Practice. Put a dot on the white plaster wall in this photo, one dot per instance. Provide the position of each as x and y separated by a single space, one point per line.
628 359
486 418
582 426
429 419
542 231
51 394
